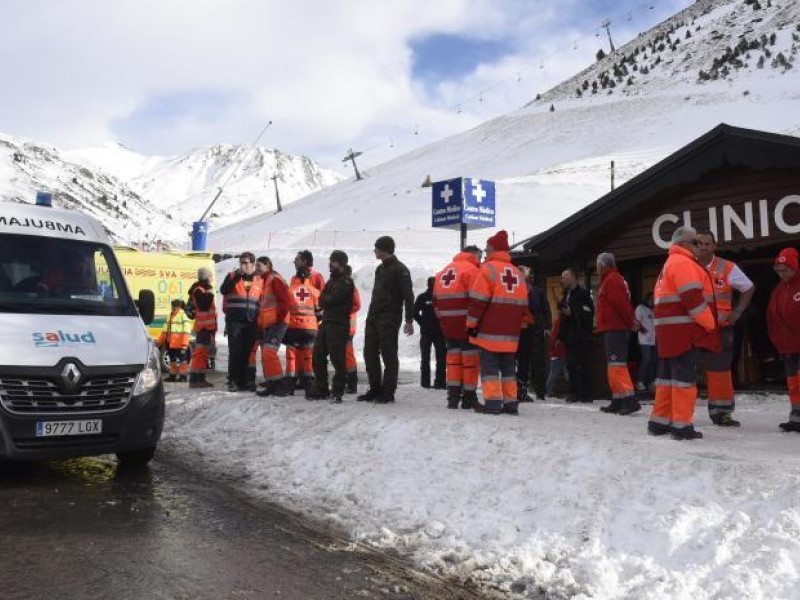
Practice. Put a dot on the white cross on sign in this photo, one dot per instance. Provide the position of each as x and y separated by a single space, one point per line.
478 191
446 193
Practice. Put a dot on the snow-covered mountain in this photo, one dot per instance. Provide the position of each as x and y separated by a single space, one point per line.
717 61
186 184
27 167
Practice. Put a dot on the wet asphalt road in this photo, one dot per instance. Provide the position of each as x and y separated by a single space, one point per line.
81 530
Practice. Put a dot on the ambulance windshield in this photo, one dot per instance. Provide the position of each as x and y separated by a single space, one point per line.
65 277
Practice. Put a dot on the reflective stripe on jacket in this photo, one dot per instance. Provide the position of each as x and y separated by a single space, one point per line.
275 301
497 302
305 304
720 270
204 319
176 331
683 317
451 294
241 302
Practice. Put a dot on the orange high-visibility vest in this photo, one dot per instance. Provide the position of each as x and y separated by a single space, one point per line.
305 303
720 270
243 298
497 303
205 320
269 302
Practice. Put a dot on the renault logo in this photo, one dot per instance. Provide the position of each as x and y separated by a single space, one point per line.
70 376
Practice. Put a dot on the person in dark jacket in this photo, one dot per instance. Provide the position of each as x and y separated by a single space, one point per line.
542 326
391 294
336 303
430 335
577 323
241 291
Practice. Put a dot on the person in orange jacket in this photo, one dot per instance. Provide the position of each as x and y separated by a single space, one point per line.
616 320
497 302
451 303
274 305
350 354
686 325
241 290
302 331
175 339
783 323
204 311
305 259
727 278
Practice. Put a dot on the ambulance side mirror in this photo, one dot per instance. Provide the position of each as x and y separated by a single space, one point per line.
147 306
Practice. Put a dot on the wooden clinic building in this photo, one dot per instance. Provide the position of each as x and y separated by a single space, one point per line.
742 184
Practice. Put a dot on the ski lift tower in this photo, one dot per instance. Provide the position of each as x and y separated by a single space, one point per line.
607 26
352 156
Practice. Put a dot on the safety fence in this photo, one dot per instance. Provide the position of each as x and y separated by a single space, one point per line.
230 242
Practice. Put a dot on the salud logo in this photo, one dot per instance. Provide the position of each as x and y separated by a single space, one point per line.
58 339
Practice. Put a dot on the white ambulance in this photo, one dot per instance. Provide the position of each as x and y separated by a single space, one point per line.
79 374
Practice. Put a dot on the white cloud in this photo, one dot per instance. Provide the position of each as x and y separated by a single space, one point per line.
328 73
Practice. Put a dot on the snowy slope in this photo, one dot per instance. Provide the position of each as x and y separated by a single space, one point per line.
27 167
186 184
561 502
549 163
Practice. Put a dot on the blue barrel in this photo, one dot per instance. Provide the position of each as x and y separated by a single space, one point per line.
199 236
44 199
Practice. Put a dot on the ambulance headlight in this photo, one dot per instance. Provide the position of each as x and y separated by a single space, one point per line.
151 374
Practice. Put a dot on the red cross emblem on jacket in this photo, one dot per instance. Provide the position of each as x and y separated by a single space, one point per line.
302 294
510 280
448 278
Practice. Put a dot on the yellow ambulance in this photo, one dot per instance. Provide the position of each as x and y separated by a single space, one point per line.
168 274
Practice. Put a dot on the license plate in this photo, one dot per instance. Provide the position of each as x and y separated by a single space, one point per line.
59 428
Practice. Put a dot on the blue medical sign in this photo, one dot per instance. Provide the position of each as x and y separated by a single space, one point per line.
463 201
447 203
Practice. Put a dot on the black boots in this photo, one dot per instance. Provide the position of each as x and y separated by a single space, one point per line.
686 433
522 392
453 397
469 400
790 426
622 406
725 420
352 383
369 396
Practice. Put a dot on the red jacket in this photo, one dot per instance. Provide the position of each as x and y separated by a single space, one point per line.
783 316
497 302
683 318
614 308
451 294
555 345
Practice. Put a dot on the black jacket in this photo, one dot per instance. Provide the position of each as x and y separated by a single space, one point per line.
578 327
392 291
336 300
425 316
540 309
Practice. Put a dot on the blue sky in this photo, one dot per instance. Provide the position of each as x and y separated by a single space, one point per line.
163 77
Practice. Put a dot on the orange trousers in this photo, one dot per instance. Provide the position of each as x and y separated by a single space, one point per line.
463 363
676 391
619 377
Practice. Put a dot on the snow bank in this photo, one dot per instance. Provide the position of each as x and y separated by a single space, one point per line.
563 501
